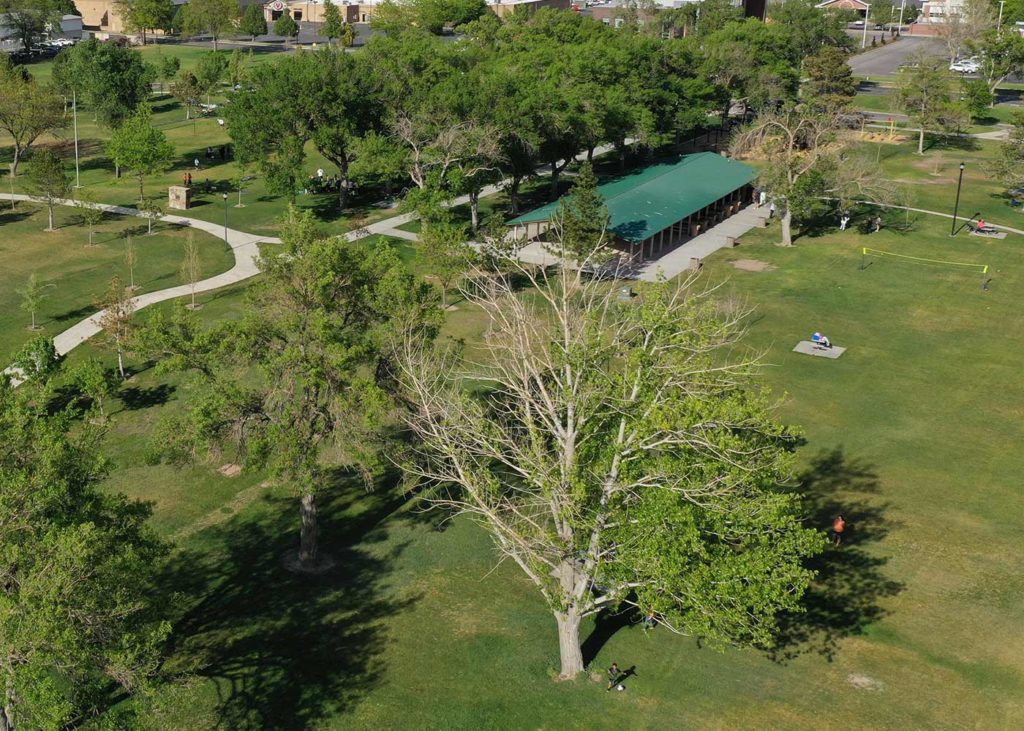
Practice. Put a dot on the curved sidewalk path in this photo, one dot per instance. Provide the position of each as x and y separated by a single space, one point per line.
244 246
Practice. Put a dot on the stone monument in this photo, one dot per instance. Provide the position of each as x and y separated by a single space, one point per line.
179 197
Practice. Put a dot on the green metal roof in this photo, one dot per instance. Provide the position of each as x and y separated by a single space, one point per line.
650 200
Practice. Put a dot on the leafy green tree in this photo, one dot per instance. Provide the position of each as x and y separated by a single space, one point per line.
582 221
313 331
168 68
333 25
140 147
109 80
210 71
430 15
924 92
829 85
213 17
27 19
622 457
96 382
117 310
36 365
1002 56
446 252
179 342
976 97
152 210
253 23
305 97
286 26
90 214
32 297
27 109
47 179
238 64
1008 167
140 16
348 36
377 159
80 594
188 91
805 29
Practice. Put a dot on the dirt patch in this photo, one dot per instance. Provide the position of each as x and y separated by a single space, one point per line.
753 265
230 470
863 682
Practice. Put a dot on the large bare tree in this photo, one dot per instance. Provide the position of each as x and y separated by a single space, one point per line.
616 455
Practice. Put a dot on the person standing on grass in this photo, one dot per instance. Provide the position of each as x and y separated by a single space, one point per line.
838 528
613 676
878 223
844 220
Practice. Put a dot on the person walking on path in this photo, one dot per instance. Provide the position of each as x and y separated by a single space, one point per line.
613 676
844 220
838 528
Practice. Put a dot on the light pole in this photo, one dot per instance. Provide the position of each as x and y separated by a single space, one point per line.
74 112
226 214
864 38
956 206
902 6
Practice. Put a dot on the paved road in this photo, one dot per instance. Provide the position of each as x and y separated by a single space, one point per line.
886 60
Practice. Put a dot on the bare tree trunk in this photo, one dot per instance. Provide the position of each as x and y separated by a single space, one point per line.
787 228
555 170
474 210
120 364
513 196
308 534
920 141
569 643
16 160
49 212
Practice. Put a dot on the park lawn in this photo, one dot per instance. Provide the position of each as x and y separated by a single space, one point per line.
214 178
79 273
931 178
911 435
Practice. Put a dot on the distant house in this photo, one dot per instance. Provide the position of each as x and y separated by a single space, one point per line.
859 6
939 11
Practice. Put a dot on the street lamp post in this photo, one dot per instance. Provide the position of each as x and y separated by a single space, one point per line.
864 39
956 206
74 112
226 216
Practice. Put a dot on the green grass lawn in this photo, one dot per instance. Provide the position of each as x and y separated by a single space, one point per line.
79 274
914 623
912 435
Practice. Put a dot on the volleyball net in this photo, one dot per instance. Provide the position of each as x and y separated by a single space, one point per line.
959 265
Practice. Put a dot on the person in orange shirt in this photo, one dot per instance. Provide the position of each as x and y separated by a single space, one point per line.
838 527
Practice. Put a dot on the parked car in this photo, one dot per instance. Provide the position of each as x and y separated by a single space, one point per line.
965 66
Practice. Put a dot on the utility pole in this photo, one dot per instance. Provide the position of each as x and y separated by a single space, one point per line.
864 38
902 6
999 23
74 112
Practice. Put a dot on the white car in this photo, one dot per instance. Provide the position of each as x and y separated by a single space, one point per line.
966 66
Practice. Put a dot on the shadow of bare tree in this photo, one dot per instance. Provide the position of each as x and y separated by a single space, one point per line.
287 650
845 596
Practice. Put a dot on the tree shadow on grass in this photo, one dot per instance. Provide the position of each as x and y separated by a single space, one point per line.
850 584
287 650
134 398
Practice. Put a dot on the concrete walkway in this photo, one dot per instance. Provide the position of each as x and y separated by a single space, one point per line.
244 246
676 261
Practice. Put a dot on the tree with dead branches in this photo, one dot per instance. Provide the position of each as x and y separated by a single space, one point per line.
616 454
447 157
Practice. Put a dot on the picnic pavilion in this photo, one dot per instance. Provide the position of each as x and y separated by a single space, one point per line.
656 208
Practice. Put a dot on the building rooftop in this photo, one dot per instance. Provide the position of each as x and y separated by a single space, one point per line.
642 203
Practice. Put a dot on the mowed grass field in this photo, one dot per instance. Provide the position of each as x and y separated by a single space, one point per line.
912 435
914 623
78 275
